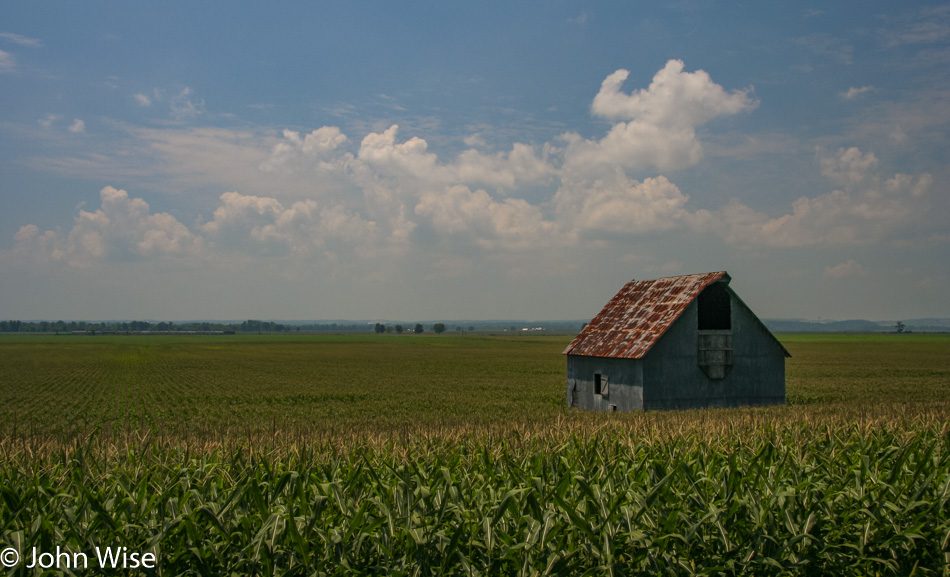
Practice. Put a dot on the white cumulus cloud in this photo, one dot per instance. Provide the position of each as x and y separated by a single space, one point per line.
853 92
124 229
521 165
293 150
848 166
121 229
674 98
21 40
142 99
410 158
846 269
661 121
263 225
185 106
7 62
620 206
488 222
48 120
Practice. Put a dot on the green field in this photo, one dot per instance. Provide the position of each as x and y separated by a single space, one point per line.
405 454
225 389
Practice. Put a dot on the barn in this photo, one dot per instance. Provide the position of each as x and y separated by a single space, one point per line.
675 343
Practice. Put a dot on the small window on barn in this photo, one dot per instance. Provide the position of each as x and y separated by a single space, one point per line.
600 384
597 383
715 308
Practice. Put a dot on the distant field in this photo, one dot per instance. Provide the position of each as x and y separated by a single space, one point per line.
908 372
231 388
365 454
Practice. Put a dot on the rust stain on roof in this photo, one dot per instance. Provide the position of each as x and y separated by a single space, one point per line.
629 325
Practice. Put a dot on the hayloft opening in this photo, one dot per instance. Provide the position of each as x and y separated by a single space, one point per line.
715 308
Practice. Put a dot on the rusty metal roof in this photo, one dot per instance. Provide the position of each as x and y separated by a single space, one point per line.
629 325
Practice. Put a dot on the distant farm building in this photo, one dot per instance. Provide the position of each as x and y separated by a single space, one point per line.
675 343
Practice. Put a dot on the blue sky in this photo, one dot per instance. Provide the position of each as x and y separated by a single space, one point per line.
432 160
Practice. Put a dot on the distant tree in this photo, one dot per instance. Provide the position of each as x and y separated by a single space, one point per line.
471 328
900 326
418 330
380 328
439 328
398 329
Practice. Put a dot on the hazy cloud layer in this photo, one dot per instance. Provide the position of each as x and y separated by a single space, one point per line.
8 62
868 208
321 199
380 195
21 40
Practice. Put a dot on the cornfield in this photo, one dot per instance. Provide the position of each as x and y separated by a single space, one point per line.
804 500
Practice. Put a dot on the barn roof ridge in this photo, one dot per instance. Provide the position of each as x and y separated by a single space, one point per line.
639 314
724 276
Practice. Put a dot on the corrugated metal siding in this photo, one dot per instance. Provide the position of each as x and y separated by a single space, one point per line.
638 315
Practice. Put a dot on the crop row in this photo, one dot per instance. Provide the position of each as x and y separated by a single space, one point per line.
806 500
68 388
57 390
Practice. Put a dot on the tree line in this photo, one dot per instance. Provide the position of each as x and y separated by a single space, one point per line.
250 325
380 328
